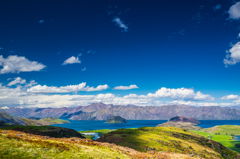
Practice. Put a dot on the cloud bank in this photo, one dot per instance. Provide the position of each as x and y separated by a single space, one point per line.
27 95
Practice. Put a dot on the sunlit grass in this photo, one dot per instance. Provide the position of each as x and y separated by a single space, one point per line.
167 139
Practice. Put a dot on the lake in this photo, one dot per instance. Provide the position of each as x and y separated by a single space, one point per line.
81 125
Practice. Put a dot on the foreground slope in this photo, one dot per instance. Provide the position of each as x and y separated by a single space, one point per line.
100 111
16 144
169 139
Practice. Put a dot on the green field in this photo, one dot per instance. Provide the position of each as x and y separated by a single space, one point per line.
224 139
223 129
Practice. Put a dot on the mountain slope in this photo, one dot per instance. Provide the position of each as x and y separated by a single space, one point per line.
100 111
12 120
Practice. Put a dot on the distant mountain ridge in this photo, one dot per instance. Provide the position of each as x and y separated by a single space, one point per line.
100 111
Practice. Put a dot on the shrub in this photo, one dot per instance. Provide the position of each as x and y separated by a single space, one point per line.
237 145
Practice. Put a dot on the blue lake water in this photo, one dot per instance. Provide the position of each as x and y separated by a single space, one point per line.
80 125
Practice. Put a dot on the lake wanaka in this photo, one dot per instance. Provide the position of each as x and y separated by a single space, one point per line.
81 125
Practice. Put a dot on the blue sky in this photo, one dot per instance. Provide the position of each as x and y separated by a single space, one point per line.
160 52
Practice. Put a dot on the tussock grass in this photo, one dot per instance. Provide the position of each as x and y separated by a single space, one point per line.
21 145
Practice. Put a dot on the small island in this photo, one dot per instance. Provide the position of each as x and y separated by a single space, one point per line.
184 119
116 120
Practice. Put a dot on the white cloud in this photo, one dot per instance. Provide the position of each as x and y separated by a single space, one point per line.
31 83
41 21
217 7
52 89
98 88
17 64
66 89
16 81
234 11
231 97
120 23
84 69
125 87
233 55
5 107
180 93
71 60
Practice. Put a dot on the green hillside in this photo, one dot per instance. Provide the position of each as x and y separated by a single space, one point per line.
169 139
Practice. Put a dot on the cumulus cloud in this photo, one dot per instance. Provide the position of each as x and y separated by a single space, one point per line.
71 60
233 55
125 87
5 107
66 89
180 93
234 11
16 81
217 7
17 64
231 97
41 21
120 23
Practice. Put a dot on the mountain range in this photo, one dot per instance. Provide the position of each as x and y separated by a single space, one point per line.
100 111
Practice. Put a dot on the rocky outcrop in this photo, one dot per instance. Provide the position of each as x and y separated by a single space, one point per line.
116 120
100 111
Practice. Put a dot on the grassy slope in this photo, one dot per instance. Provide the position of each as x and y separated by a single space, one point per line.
168 139
15 144
223 139
12 146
